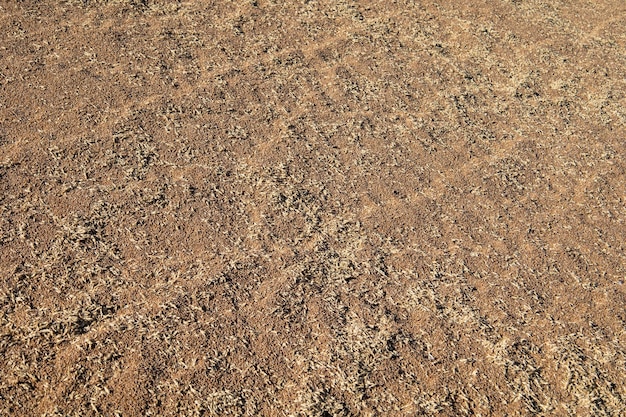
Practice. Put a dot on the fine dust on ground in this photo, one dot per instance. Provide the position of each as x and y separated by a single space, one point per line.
312 208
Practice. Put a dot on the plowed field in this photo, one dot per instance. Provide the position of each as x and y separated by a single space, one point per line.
312 208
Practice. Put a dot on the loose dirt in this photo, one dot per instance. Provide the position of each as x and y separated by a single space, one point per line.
312 208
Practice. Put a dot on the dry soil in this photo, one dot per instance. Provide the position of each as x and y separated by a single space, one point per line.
312 208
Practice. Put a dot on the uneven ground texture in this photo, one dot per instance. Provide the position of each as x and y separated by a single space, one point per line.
312 208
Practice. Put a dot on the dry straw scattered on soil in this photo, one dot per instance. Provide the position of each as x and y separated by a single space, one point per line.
312 208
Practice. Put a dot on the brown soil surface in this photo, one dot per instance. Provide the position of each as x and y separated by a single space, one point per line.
312 208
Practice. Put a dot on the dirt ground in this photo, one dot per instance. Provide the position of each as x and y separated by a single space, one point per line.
312 208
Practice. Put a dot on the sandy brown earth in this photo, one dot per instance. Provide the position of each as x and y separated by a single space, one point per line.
312 208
